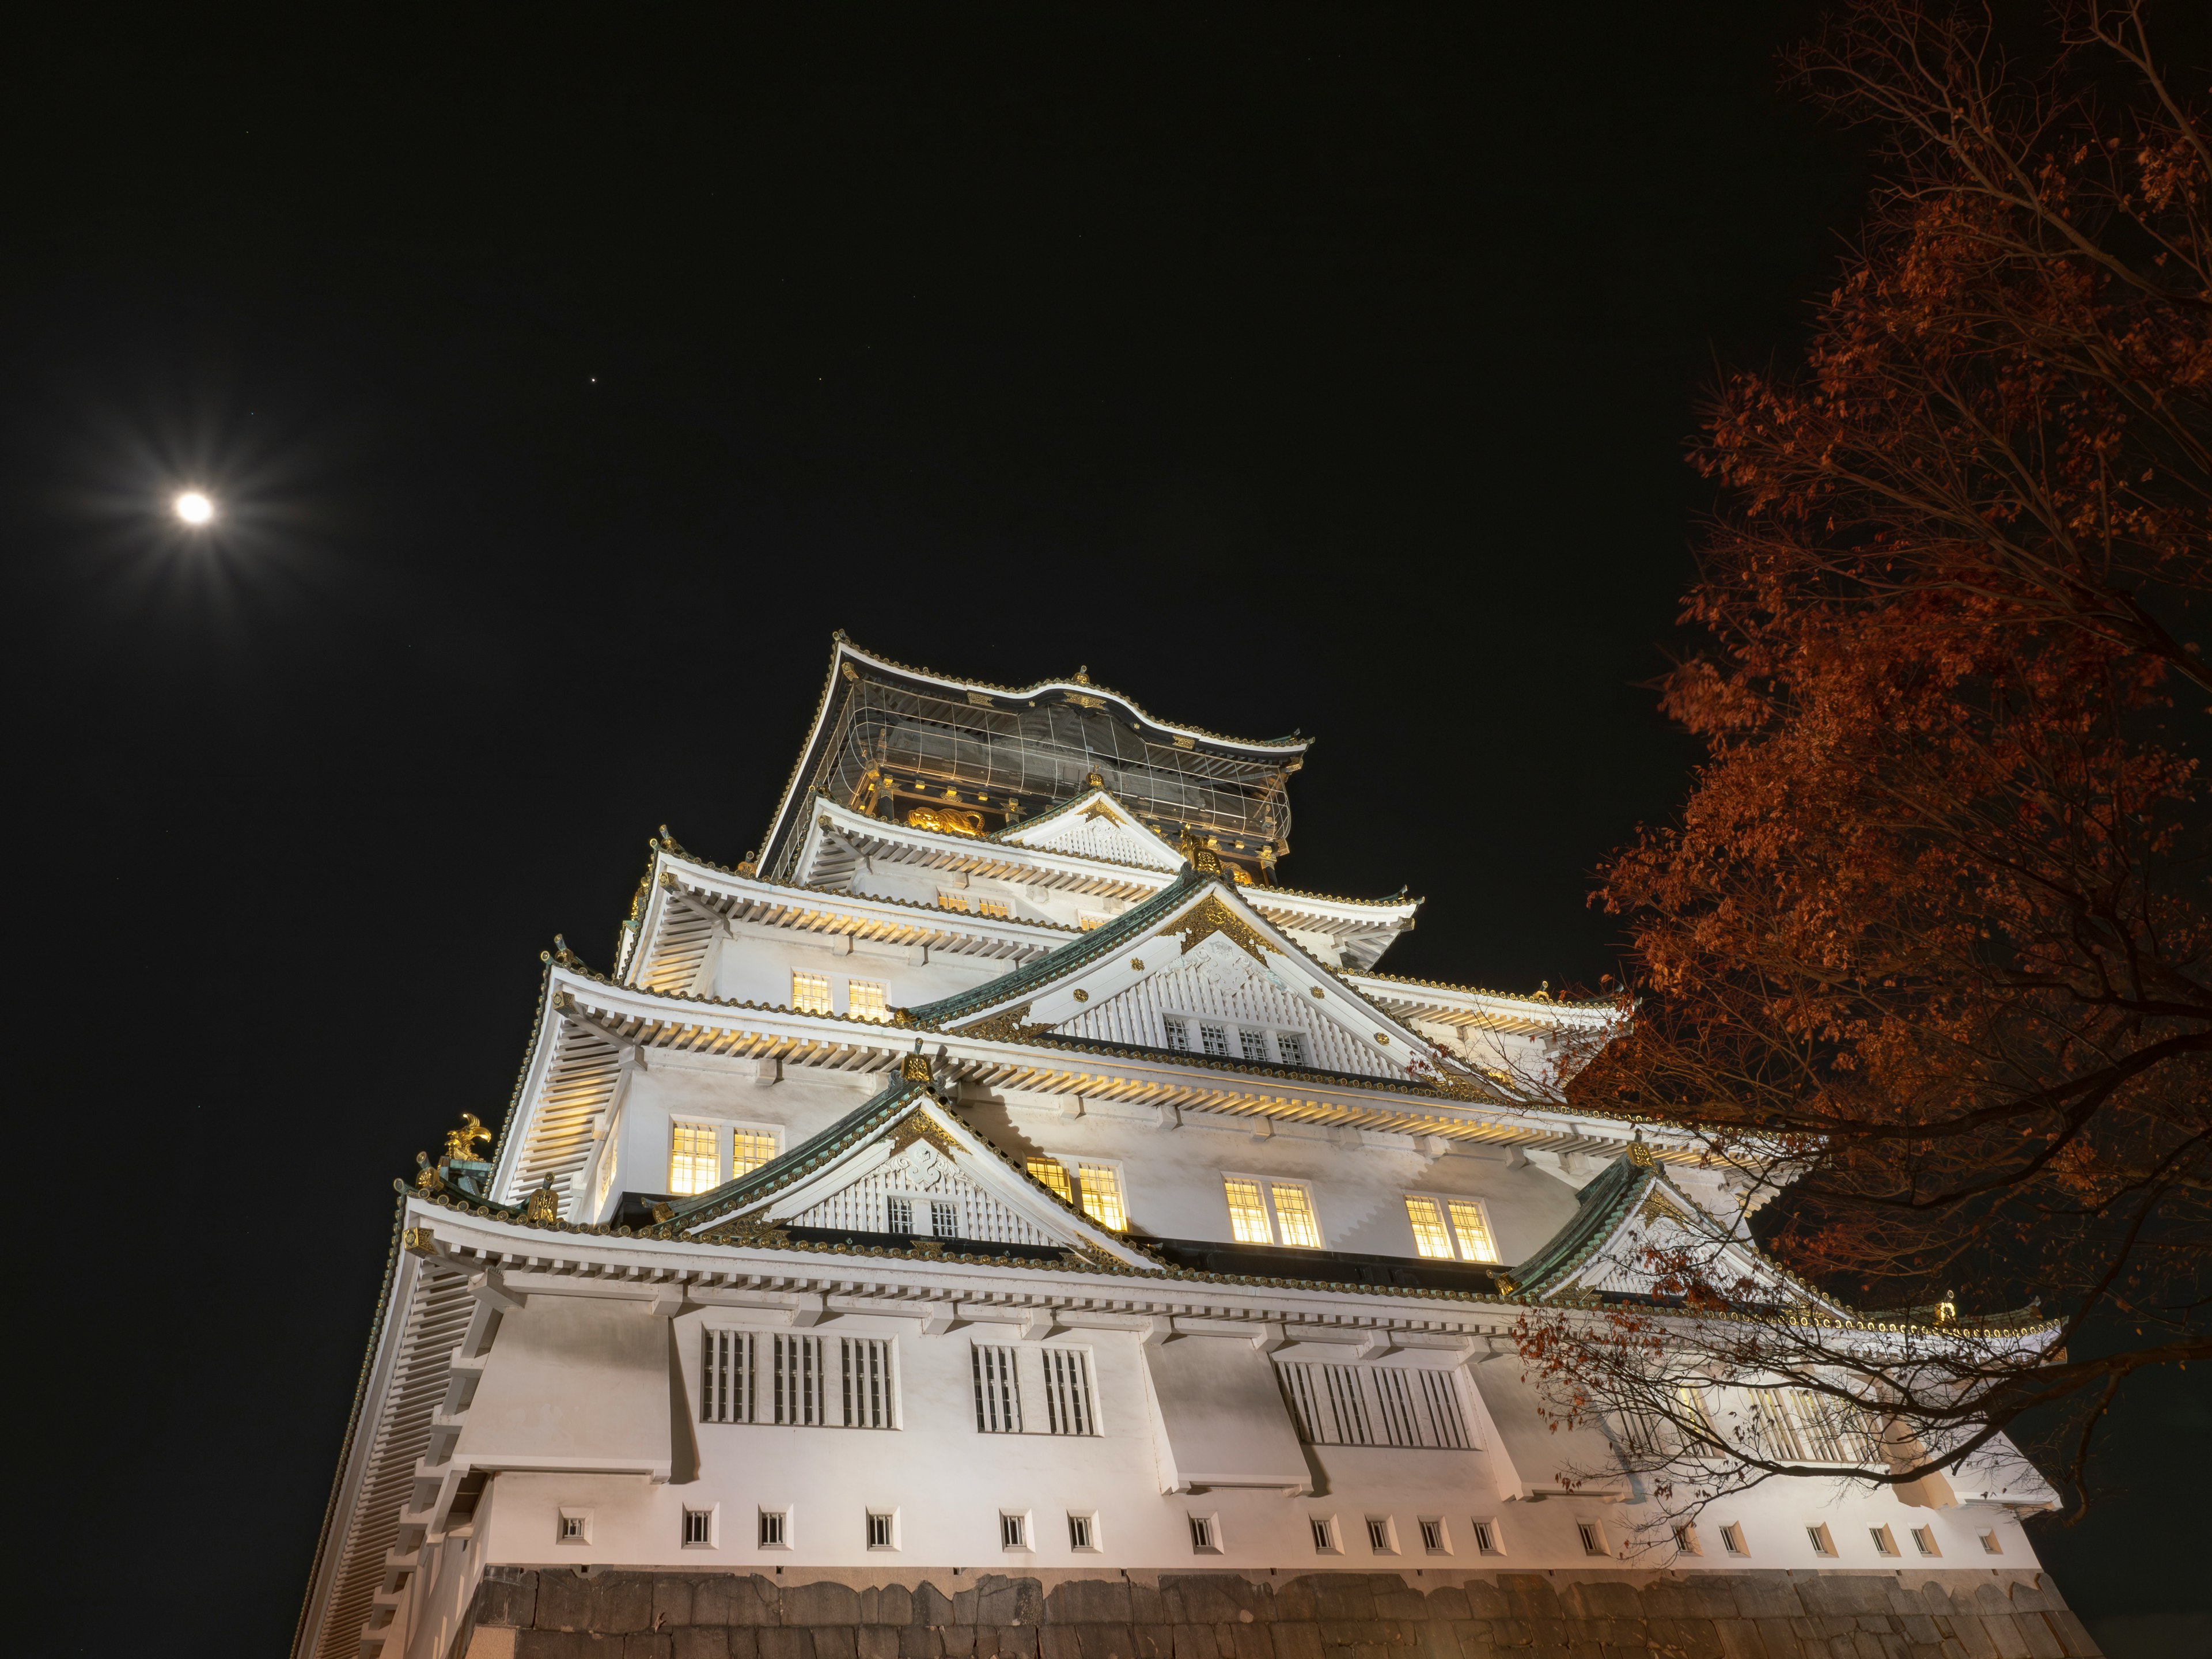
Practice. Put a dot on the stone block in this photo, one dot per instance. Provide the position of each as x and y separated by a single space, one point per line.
1207 1598
1687 1638
2070 1630
1740 1638
1602 1599
2006 1635
1295 1638
957 1639
646 1644
1448 1602
1008 1602
1341 1596
1060 1642
1106 1641
1401 1603
1528 1596
1155 1641
893 1604
821 1603
507 1597
565 1644
729 1599
1147 1606
835 1642
1243 1637
931 1606
1007 1641
784 1641
879 1641
919 1642
699 1642
744 1640
672 1600
1196 1642
1088 1602
1475 1638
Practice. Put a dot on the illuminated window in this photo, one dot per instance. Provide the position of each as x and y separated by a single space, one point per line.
749 1150
864 1000
1102 1195
1088 919
1472 1228
993 907
1294 1216
694 1162
1248 1215
947 900
809 993
1430 1238
1054 1174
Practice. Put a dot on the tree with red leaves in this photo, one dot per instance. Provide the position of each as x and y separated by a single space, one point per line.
1931 945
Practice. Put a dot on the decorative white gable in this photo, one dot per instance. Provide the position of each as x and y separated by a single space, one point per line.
1216 982
930 1183
1097 827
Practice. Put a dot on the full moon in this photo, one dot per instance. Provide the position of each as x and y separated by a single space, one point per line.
194 507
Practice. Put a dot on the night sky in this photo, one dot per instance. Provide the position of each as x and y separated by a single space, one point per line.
565 383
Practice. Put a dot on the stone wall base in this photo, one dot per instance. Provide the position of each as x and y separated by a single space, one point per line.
599 1612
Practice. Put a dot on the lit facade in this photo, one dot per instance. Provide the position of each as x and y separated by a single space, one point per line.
1002 1170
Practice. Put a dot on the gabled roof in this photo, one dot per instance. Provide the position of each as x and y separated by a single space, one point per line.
911 1109
1630 1206
1094 825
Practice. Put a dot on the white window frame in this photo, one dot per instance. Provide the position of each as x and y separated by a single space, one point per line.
1595 1543
1443 1201
1925 1543
1734 1540
1686 1538
727 1149
1266 1184
572 1526
829 993
1017 1520
713 1514
1822 1540
1088 1519
1443 1545
881 985
1381 1535
1489 1536
1328 1534
1991 1544
868 1529
783 1514
1885 1541
1120 1172
1206 1533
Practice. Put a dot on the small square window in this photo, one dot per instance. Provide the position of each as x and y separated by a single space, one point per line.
1381 1535
1205 1534
943 1218
749 1150
1216 1039
1435 1540
1052 1173
1686 1538
809 993
1013 1529
575 1527
1083 1530
1488 1539
1091 920
775 1529
1255 1045
1324 1534
1593 1536
882 1529
1822 1540
699 1528
1923 1540
1732 1539
1178 1034
864 1000
1885 1541
985 907
1291 1047
898 1215
1991 1544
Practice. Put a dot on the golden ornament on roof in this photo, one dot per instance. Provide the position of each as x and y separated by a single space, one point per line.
543 1204
946 821
460 1144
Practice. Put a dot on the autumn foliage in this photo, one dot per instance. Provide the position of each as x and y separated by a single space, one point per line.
1935 922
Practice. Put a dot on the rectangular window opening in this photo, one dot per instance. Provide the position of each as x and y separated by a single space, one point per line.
1487 1539
1430 1239
1255 1045
1732 1539
1885 1541
864 1000
809 993
1294 1215
943 1218
1433 1540
1068 1392
867 1368
1991 1544
698 1528
694 1158
1471 1227
1923 1540
998 1397
1216 1039
725 1394
1324 1534
1686 1538
1378 1535
1082 1531
879 1530
1101 1185
1013 1531
1248 1213
749 1150
1822 1540
775 1532
1178 1034
1291 1047
575 1527
1593 1537
1205 1534
898 1215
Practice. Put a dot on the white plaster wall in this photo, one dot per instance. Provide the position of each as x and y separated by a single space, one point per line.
746 968
948 1484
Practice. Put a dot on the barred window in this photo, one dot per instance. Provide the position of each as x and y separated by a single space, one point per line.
799 1391
864 1000
1292 1047
694 1162
1254 1044
1374 1406
1430 1239
1068 1392
1178 1032
898 1215
998 1396
1294 1215
1247 1214
809 993
943 1218
725 1391
1054 1174
1215 1037
749 1150
867 1372
1102 1195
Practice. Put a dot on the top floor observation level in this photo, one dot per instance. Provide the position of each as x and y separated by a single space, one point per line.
960 758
